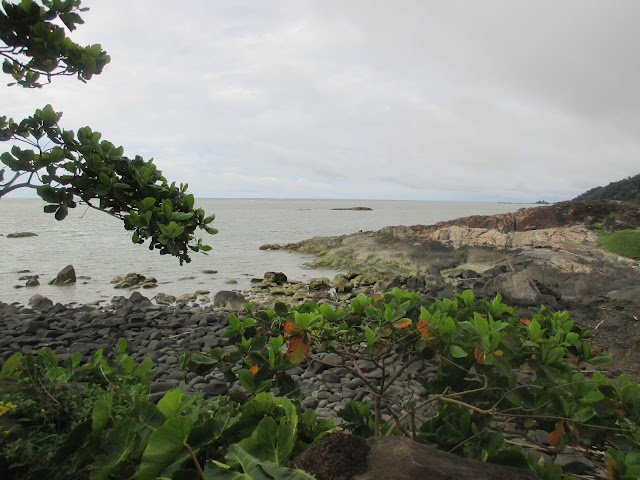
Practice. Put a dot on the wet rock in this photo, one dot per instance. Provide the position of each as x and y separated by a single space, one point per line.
66 276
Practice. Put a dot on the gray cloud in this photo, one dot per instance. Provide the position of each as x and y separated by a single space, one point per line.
503 100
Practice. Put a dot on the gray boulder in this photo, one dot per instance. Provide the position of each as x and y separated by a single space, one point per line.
515 288
229 300
66 276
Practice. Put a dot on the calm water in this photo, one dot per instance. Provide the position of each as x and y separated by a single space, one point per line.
99 248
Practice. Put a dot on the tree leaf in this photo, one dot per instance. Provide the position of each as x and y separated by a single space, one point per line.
403 323
297 350
457 352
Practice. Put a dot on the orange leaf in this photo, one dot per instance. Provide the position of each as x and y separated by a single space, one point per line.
612 470
290 329
377 296
498 353
298 350
254 369
378 348
424 330
479 354
403 323
556 435
483 315
526 321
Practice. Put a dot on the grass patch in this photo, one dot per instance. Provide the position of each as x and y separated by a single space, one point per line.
622 242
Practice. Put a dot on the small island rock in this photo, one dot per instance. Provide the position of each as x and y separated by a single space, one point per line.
22 235
66 276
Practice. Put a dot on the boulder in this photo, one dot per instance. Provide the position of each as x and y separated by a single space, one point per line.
400 458
275 277
32 281
229 300
515 288
341 283
22 235
164 299
339 456
319 284
66 276
40 301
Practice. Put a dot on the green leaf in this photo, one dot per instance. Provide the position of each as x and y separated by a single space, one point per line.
120 442
188 202
592 397
10 365
554 355
62 212
164 445
244 466
122 345
49 116
602 359
148 202
170 404
457 352
100 414
48 193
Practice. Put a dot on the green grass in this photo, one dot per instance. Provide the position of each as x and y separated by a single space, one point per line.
622 242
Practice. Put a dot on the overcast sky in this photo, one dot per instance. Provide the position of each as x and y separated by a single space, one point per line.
499 100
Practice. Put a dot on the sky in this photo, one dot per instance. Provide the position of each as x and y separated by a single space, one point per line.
500 100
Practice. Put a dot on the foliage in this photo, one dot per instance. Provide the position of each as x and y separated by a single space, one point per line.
622 242
627 190
66 167
493 368
94 420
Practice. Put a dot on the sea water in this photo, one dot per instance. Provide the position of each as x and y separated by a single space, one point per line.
99 248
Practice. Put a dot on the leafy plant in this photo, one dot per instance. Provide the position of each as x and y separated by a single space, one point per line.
492 368
94 420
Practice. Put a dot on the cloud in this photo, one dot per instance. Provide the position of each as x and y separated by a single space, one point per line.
507 100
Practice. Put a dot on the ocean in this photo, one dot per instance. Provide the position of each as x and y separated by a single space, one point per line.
99 248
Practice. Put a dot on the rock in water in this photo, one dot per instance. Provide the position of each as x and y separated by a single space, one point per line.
66 276
229 300
22 235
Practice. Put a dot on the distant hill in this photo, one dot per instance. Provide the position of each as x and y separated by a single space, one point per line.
627 190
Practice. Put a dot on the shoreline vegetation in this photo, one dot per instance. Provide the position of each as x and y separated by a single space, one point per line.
464 319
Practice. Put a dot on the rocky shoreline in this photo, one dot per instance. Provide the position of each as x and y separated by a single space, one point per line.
559 267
